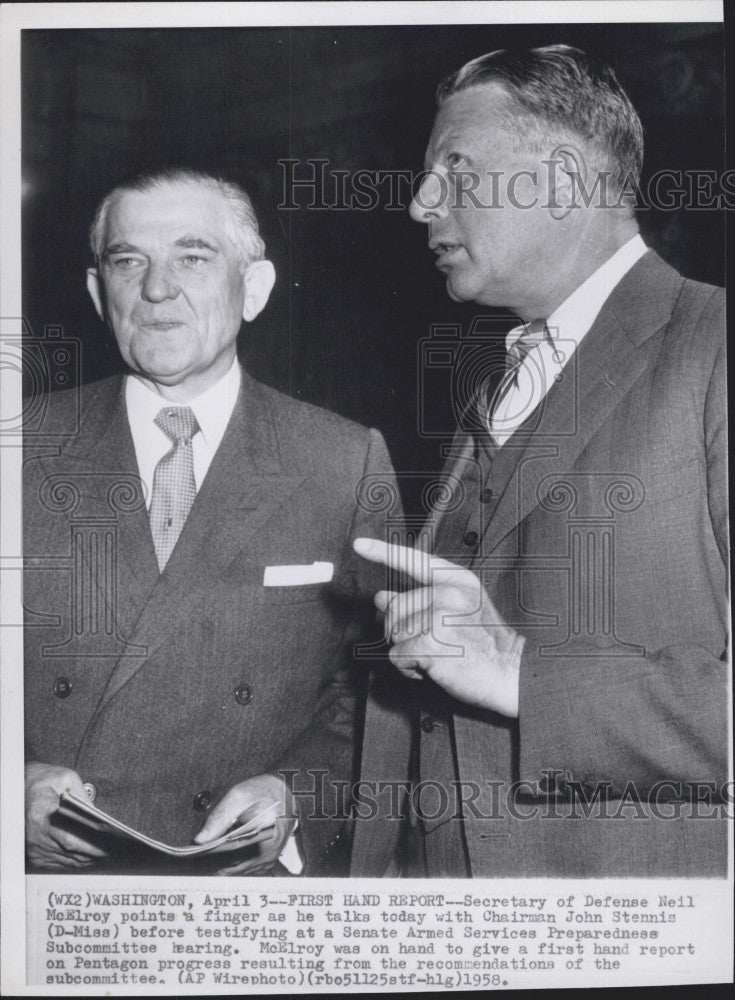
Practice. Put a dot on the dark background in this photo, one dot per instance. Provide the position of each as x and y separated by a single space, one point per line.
356 290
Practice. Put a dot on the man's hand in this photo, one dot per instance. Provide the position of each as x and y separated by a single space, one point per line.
257 802
48 845
447 629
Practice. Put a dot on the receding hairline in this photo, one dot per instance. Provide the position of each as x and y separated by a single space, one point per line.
566 93
118 193
208 184
510 112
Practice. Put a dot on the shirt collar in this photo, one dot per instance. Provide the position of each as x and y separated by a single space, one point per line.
574 317
213 408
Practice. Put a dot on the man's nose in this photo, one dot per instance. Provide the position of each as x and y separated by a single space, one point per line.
430 201
159 284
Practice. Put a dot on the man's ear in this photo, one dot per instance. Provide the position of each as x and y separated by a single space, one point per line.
567 177
94 287
258 280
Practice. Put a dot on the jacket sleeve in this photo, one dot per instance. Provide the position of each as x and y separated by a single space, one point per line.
632 722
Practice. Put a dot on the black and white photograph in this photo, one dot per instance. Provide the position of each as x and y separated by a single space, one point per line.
365 551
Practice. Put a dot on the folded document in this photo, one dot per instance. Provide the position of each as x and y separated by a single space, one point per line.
256 829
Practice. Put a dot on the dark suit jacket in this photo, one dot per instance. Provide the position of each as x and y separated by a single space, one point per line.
604 544
163 690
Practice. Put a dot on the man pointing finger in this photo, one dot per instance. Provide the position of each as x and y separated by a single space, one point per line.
571 626
447 629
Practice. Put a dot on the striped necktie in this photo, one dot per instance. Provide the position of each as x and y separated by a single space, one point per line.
533 334
174 487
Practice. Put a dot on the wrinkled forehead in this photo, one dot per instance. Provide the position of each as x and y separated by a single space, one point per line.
165 212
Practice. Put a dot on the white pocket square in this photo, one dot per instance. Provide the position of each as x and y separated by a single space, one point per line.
294 576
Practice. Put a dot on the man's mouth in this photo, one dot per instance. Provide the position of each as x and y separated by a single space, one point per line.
444 251
161 324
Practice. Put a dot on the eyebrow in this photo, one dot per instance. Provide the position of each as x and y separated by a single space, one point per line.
186 242
119 248
195 243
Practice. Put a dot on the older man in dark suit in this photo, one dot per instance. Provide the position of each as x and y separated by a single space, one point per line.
570 632
193 598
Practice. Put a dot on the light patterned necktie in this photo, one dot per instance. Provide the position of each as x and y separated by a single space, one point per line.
534 333
174 487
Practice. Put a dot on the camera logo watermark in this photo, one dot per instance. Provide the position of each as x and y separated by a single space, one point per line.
44 363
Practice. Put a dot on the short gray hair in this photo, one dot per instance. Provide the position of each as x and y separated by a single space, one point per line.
563 87
242 224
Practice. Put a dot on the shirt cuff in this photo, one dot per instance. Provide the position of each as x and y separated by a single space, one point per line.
290 856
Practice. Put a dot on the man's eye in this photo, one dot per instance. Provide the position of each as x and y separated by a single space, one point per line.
192 260
126 263
454 160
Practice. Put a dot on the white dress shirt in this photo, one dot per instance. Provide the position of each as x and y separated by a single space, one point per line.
213 410
567 326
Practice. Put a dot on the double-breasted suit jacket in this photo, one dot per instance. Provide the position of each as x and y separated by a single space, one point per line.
600 532
164 689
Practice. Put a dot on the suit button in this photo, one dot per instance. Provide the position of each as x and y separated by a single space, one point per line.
90 790
243 694
427 724
486 495
62 687
471 538
203 801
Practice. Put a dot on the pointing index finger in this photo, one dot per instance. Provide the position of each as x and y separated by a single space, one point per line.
415 563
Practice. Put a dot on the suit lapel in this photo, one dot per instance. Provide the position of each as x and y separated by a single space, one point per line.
100 463
456 455
608 362
245 485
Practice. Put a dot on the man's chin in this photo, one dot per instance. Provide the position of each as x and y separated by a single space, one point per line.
161 376
467 291
456 292
164 367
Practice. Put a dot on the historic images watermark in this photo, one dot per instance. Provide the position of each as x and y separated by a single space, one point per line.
314 184
556 795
